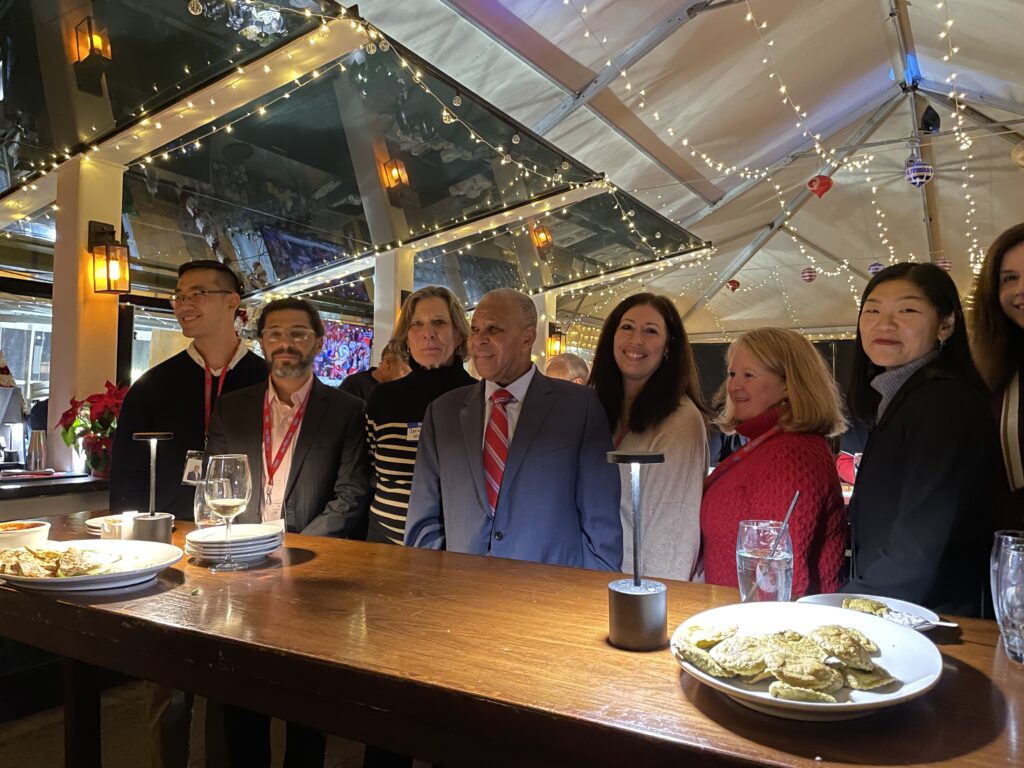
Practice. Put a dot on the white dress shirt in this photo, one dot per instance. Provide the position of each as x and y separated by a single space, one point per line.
513 407
197 358
281 414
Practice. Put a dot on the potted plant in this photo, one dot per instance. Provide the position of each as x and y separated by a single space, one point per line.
89 426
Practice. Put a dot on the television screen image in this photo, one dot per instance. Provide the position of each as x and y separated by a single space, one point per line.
346 351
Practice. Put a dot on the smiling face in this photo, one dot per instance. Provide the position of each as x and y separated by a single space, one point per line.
290 356
898 324
640 343
432 338
1011 285
500 340
752 388
206 315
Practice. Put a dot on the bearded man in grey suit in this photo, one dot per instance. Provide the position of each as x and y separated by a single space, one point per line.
514 466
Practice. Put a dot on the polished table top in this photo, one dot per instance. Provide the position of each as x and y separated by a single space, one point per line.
451 657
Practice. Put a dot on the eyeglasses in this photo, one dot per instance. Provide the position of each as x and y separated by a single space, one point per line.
192 297
295 334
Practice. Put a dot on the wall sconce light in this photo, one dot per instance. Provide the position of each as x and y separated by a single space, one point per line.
109 260
556 340
395 175
541 237
92 51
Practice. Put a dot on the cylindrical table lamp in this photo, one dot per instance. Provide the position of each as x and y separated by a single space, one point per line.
153 527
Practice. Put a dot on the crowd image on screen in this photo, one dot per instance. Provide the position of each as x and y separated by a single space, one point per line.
346 351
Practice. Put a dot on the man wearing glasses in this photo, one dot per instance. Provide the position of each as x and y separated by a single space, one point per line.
178 396
306 445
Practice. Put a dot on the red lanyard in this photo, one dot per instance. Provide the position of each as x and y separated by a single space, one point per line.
621 436
272 465
220 388
738 455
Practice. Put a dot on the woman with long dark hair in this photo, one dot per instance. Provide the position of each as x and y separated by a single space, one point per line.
997 336
921 509
645 375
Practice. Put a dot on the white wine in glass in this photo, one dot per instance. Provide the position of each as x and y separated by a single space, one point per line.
227 489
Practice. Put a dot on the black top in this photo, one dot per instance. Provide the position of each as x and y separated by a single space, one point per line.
168 398
360 384
921 513
394 415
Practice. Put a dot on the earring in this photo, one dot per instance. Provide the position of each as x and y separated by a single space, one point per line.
942 344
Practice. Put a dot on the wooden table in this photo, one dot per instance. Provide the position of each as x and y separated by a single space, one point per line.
476 661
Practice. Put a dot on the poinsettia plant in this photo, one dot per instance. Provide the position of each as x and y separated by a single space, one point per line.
89 426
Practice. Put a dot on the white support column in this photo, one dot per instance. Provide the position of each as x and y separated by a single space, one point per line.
83 346
547 312
391 276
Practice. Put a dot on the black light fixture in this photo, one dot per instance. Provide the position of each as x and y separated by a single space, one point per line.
109 260
92 53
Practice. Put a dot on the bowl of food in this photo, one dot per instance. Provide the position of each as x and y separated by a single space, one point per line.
23 533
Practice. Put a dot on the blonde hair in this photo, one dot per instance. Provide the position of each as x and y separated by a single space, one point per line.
812 401
400 338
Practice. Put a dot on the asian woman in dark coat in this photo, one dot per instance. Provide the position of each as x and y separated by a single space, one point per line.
921 513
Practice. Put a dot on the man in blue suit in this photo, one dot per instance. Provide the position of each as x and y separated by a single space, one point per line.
514 465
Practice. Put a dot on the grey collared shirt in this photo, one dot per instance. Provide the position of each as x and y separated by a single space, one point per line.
887 384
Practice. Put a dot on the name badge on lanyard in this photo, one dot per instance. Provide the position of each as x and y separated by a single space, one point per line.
412 432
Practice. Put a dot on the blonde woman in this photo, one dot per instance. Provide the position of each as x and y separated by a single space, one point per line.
782 398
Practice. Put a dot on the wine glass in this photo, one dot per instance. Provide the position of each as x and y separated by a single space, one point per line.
227 490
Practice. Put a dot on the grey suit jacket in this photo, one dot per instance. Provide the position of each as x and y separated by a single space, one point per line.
328 484
559 497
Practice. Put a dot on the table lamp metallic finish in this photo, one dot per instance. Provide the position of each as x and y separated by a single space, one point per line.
637 607
154 526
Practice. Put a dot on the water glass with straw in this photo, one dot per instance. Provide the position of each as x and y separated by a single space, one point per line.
764 559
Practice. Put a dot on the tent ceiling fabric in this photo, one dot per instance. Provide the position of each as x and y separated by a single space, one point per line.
707 83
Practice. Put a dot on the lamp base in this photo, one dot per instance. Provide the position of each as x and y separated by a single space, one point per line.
637 616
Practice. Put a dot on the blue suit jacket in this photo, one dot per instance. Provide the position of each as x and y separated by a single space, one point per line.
559 498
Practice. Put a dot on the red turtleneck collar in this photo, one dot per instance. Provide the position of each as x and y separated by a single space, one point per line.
757 426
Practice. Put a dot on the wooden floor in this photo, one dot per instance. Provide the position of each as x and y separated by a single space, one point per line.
37 741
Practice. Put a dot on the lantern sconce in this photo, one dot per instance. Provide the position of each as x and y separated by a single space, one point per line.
541 237
92 53
556 340
110 272
396 180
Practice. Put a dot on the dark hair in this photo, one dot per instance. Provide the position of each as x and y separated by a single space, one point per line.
227 276
675 377
292 302
954 356
998 341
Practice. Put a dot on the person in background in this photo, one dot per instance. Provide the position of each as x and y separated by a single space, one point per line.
178 396
997 337
431 333
514 466
567 367
921 512
392 367
646 378
782 398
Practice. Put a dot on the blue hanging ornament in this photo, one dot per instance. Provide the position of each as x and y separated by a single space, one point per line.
875 268
917 171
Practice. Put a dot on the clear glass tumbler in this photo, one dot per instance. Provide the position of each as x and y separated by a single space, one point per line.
764 574
1009 598
1000 539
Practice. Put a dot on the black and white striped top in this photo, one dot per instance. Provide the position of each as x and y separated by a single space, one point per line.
393 418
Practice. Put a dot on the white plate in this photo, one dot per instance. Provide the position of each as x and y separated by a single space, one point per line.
94 525
148 559
234 550
236 546
245 557
907 655
836 599
239 532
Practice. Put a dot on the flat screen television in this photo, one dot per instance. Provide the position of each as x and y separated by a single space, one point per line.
346 351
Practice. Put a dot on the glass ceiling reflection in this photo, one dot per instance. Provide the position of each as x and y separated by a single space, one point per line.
594 236
159 51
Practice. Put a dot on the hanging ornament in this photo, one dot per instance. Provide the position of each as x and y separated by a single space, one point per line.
457 101
195 7
917 171
371 48
732 285
875 268
515 138
944 264
808 274
385 45
1017 154
819 185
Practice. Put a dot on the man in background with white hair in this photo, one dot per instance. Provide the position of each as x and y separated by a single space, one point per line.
568 367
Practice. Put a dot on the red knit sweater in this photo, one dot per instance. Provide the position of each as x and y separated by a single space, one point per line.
760 486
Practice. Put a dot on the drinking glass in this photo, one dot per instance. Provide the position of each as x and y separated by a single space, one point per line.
202 513
1009 598
764 576
227 490
998 542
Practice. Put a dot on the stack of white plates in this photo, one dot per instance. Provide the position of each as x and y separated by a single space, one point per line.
249 542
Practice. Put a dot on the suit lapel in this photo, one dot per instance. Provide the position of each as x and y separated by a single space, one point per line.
316 410
471 418
535 408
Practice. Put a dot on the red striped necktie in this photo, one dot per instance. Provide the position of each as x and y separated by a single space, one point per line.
496 446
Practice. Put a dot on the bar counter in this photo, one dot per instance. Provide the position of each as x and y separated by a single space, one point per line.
469 661
48 496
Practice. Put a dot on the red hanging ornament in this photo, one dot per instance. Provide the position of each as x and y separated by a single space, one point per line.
809 274
732 285
944 264
819 185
